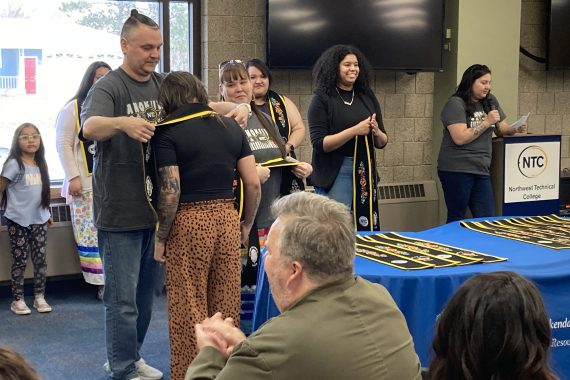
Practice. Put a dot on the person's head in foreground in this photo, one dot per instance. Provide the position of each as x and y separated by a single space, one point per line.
333 325
13 366
494 327
311 243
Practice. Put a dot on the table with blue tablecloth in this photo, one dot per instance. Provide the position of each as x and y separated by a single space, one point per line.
422 294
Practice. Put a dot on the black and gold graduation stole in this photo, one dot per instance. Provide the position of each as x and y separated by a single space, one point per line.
249 255
278 163
188 117
87 146
251 251
364 192
152 170
278 113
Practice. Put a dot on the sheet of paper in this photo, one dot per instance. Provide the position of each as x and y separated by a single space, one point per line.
520 122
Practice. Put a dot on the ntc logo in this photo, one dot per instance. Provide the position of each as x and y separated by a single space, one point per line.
532 161
151 114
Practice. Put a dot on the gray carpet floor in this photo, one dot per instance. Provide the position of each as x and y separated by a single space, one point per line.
69 342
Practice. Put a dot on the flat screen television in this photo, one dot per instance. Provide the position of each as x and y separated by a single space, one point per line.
558 31
392 34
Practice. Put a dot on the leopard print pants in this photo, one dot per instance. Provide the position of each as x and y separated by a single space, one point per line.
203 272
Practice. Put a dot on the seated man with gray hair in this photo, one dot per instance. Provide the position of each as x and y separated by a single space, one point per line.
333 325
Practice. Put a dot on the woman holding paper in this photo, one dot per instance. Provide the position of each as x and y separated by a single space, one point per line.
469 118
268 147
264 140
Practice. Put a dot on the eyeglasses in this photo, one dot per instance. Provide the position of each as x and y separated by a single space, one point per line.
223 64
35 136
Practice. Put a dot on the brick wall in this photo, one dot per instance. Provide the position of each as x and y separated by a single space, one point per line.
236 29
545 94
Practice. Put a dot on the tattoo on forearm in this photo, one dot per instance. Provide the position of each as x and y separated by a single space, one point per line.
478 129
169 179
167 199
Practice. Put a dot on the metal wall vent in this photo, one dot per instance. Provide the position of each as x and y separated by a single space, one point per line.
60 213
413 190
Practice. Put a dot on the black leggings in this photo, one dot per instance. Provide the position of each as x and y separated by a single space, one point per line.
25 241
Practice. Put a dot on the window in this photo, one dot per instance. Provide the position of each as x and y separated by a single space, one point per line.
51 43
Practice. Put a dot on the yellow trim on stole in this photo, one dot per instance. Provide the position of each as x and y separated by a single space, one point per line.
188 117
270 106
370 182
240 211
78 126
278 162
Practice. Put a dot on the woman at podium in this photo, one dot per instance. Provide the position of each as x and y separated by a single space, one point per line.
469 118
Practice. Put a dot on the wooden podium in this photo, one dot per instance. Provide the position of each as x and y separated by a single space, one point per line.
525 173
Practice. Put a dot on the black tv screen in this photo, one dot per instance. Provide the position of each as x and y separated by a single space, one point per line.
392 34
558 51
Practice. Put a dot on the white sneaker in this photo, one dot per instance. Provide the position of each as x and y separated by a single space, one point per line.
19 307
145 371
41 305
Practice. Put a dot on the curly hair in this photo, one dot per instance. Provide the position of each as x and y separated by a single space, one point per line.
495 327
326 69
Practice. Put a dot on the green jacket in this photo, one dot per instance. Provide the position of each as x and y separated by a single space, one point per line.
350 329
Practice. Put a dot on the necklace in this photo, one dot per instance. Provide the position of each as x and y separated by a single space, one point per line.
344 101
